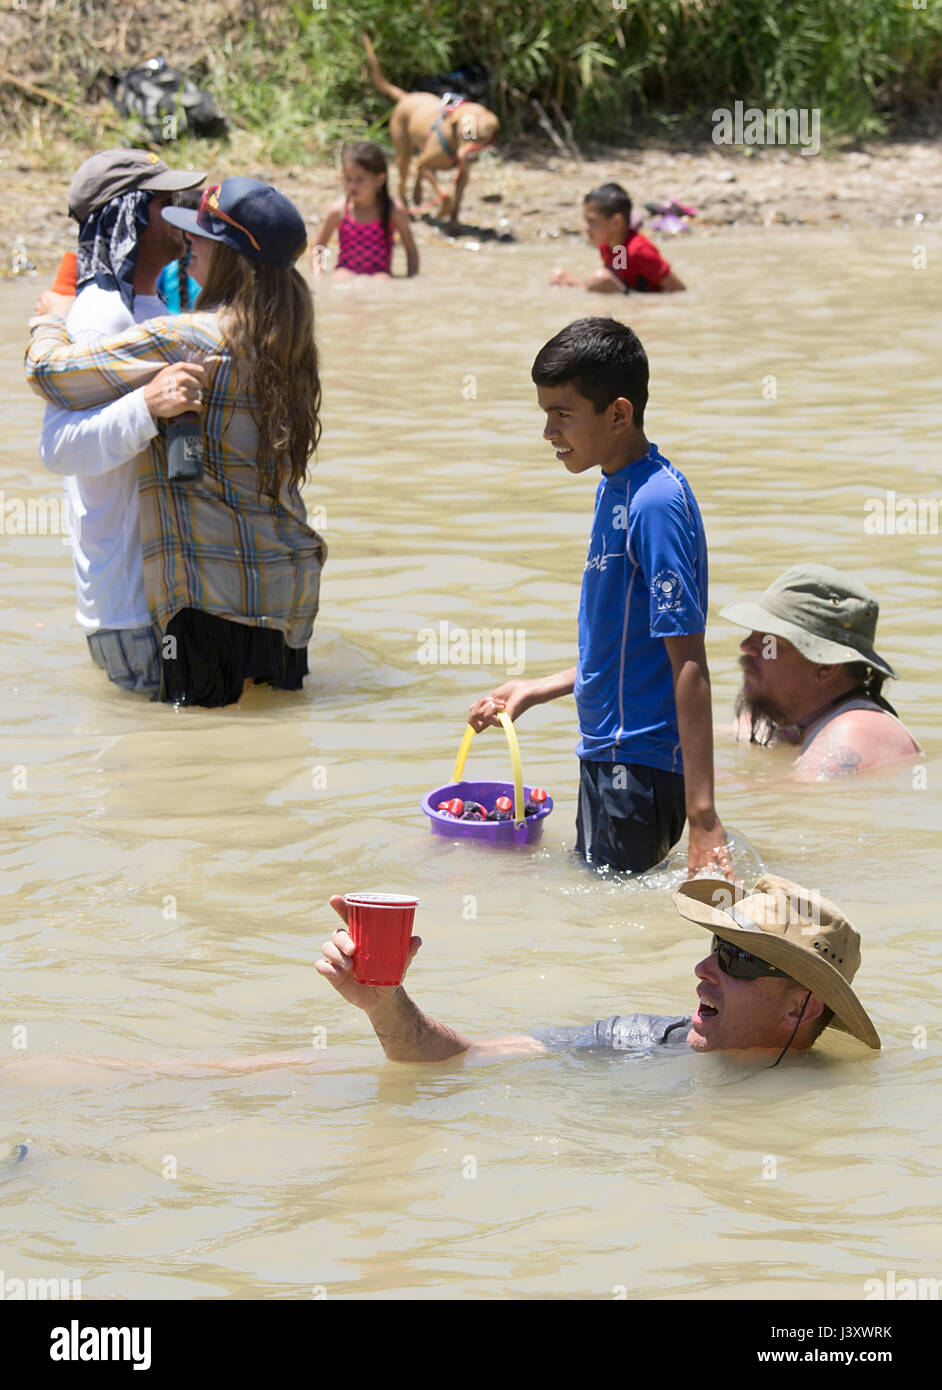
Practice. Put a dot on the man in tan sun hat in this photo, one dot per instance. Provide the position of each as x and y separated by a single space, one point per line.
779 972
812 677
782 964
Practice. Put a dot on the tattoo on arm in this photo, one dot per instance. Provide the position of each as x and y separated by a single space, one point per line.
841 761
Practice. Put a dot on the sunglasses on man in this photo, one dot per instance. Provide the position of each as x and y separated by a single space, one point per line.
742 965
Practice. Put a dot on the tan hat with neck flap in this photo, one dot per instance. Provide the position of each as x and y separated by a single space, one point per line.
793 928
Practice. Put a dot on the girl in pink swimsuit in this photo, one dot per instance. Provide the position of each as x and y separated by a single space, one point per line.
366 219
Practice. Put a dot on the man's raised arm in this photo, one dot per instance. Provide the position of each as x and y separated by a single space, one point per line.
404 1032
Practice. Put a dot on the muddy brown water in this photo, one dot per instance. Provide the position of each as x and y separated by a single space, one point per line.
165 873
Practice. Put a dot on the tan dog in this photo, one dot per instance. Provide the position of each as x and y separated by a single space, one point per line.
442 138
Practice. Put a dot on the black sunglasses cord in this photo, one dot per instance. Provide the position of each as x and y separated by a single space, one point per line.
794 1031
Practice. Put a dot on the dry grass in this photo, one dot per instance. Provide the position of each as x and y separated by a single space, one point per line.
293 70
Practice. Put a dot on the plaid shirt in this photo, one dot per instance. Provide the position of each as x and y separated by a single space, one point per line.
216 545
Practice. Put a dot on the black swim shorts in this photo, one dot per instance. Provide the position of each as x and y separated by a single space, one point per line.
629 815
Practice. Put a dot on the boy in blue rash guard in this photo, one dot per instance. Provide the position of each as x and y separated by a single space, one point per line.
641 684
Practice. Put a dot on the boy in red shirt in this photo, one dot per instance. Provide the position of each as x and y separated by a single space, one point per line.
629 260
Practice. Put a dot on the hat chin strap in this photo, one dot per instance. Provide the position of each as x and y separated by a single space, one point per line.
794 1031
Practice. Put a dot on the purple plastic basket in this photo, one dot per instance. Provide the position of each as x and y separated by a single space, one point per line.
493 832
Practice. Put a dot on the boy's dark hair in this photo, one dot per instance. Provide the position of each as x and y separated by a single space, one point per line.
602 358
611 201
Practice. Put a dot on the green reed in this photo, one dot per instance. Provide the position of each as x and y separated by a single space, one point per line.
615 69
866 64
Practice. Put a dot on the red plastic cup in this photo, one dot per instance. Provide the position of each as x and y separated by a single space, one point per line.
380 925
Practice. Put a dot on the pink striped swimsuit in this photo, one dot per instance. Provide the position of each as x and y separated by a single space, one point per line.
363 247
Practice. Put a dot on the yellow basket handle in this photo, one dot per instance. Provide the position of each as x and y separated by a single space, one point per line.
511 732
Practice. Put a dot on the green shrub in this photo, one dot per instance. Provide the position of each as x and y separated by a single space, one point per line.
297 73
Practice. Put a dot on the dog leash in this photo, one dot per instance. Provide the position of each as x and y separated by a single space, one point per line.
447 109
472 145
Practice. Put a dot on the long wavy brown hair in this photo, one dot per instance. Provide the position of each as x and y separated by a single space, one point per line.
268 327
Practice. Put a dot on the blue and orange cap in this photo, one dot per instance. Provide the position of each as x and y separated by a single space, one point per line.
252 218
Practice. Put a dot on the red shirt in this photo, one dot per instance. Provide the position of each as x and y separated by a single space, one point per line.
638 264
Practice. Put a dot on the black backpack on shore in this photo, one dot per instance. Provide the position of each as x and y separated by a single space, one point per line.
472 81
166 102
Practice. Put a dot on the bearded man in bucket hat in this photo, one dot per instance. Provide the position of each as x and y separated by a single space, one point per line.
779 972
117 197
812 677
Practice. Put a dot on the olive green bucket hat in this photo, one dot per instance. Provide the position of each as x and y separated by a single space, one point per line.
827 617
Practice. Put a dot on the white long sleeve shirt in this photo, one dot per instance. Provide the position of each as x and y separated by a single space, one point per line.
96 454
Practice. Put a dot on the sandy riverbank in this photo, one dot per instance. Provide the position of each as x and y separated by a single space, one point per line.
539 195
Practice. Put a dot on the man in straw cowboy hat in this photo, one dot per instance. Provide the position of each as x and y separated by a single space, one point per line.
811 675
779 972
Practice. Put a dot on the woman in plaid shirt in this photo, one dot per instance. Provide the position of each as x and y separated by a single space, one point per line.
231 567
